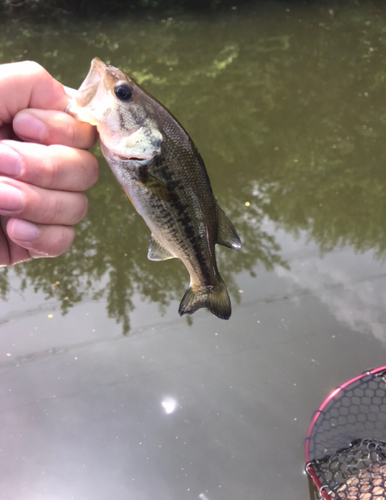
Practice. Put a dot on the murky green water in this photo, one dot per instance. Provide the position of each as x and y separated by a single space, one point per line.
286 103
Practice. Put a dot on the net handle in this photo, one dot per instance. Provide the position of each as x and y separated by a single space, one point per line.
321 489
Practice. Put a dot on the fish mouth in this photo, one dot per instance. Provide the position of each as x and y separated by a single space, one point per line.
136 158
87 91
126 145
119 143
89 87
114 154
94 75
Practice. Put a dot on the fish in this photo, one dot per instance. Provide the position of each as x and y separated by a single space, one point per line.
163 174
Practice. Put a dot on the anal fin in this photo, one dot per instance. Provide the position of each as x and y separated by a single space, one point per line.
226 235
157 251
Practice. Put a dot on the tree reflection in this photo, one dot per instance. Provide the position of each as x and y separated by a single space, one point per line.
290 120
109 258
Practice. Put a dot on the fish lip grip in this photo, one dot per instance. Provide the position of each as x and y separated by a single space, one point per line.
349 425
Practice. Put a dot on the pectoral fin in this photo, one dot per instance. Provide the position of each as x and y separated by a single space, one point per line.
154 185
226 235
157 251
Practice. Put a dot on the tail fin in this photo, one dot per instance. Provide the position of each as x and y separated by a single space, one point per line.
215 298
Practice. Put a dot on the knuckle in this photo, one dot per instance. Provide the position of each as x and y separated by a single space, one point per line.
34 71
33 68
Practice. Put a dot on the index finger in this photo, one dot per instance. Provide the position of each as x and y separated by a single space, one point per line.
45 126
50 167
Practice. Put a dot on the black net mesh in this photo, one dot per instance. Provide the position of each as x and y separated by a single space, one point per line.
355 472
346 446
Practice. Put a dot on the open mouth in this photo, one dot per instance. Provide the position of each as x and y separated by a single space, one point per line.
112 152
131 158
134 158
89 87
125 144
94 75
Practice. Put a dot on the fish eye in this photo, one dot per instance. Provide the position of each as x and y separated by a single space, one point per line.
123 91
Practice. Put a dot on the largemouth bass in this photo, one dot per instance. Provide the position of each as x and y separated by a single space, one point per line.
163 174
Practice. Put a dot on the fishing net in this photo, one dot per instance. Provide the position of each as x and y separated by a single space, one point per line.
345 448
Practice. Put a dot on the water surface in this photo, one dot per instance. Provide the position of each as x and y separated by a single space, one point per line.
285 101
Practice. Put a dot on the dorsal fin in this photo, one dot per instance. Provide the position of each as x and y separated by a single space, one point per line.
157 251
226 234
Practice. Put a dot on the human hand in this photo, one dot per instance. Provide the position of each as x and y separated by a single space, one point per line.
44 165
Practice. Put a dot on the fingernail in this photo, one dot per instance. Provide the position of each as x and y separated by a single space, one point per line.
10 163
29 127
11 199
24 231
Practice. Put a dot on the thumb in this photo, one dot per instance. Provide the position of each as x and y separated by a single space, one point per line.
28 85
